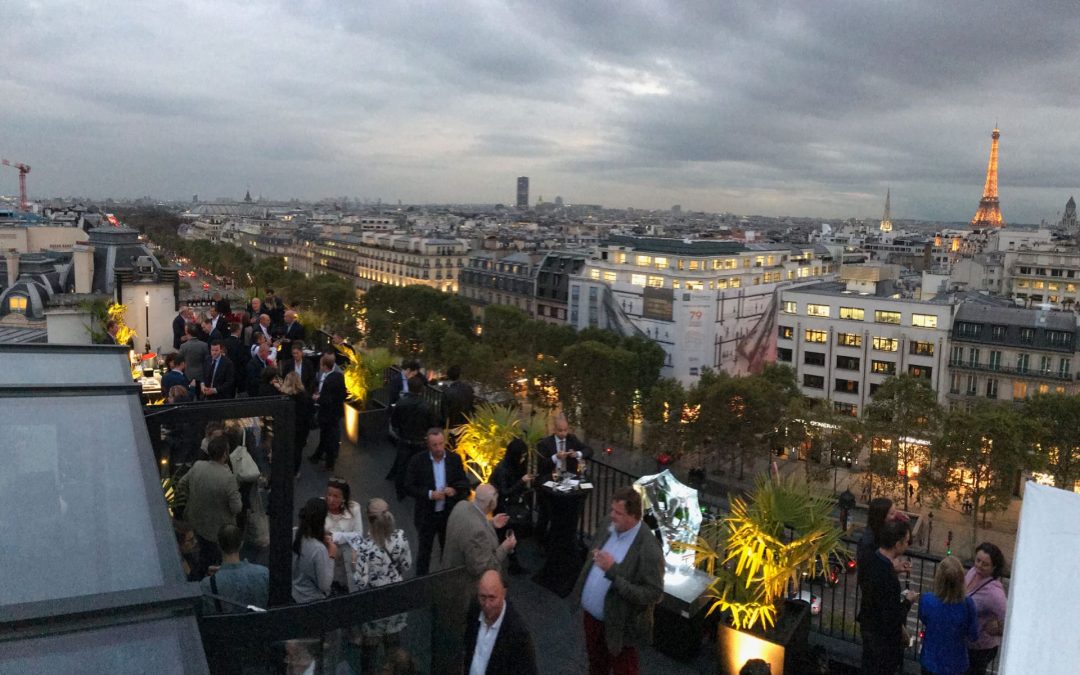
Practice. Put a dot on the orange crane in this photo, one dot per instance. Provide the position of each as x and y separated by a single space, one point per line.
24 169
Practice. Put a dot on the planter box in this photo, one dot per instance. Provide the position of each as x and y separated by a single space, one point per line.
784 647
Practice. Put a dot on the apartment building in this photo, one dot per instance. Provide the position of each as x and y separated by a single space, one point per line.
845 338
553 284
403 260
500 278
1011 353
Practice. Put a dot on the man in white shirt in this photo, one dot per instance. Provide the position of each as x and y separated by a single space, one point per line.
619 586
496 638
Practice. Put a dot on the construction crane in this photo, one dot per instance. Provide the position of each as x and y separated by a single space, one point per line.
24 169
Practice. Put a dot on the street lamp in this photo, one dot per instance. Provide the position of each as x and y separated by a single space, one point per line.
146 299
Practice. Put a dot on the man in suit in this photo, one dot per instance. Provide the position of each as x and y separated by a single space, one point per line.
195 352
411 419
436 481
262 326
184 317
293 331
235 349
471 538
618 587
111 329
301 367
400 385
560 450
255 366
176 375
496 638
220 374
212 333
212 497
330 399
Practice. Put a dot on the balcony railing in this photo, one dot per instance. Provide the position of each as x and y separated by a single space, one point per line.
1009 370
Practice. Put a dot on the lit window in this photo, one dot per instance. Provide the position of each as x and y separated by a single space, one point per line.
695 285
849 339
644 260
817 310
921 348
620 258
883 367
656 282
660 263
882 316
637 279
790 307
924 320
853 313
610 277
736 282
815 336
697 264
883 344
17 304
594 274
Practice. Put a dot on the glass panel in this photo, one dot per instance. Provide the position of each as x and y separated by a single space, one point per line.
135 648
74 514
43 368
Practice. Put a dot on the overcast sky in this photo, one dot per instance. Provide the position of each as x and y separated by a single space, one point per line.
798 108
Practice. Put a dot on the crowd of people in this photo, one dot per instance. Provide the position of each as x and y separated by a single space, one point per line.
963 617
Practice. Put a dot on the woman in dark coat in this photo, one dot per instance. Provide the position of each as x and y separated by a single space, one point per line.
513 481
293 387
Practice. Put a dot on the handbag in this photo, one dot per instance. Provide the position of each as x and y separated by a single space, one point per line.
519 511
244 466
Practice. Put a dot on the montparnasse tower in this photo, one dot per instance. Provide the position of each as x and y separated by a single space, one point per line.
886 222
989 212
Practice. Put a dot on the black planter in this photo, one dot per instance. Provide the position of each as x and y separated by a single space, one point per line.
784 647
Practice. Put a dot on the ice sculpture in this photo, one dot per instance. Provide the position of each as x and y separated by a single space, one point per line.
675 508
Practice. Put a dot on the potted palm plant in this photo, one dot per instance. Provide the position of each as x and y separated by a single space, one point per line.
757 555
363 374
482 439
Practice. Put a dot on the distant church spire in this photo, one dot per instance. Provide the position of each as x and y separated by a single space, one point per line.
989 212
886 223
1068 221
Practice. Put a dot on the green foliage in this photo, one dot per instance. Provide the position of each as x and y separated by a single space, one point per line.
483 438
364 371
990 444
663 410
596 387
396 317
902 407
1056 436
766 541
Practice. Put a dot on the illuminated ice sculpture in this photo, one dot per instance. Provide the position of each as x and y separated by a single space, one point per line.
677 513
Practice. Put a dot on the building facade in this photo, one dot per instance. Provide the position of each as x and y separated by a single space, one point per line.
499 278
402 260
553 284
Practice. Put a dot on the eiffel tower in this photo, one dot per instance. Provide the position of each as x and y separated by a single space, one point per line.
989 212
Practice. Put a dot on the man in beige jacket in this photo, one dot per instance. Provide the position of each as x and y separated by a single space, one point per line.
212 499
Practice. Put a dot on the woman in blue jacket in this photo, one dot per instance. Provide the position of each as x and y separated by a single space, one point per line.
950 619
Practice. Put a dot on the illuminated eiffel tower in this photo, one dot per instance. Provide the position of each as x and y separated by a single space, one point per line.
989 212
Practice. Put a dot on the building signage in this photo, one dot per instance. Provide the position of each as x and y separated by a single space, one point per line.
658 303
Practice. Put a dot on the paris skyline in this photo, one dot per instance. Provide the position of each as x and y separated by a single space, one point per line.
775 110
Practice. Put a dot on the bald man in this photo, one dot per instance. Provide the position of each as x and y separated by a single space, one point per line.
496 638
471 540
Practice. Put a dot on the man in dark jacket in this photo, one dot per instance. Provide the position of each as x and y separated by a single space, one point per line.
412 417
220 374
330 399
436 481
496 638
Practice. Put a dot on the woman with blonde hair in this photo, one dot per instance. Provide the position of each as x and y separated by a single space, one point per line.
950 619
293 387
381 556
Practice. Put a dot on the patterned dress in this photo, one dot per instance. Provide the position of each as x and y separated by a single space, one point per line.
376 566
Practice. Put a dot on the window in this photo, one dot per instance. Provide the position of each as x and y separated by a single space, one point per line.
814 358
813 381
995 360
1064 368
637 279
925 372
853 313
972 385
882 316
1021 363
924 320
786 332
954 383
1059 338
847 386
991 388
791 307
883 344
847 362
973 357
921 348
656 282
849 339
815 336
846 408
609 277
783 355
1020 390
643 260
1044 365
966 329
17 304
660 263
1027 336
817 310
1044 389
594 274
883 367
957 356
